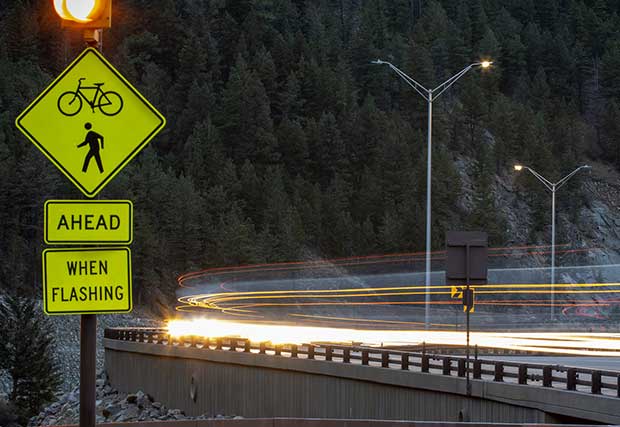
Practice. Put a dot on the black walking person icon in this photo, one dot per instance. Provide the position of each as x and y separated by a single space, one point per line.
92 139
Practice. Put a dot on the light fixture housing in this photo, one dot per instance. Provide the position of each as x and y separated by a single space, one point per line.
84 14
518 167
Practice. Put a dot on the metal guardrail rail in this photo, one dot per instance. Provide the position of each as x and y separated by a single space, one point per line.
540 375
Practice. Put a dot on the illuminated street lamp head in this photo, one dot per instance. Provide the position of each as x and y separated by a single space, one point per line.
486 64
518 167
86 14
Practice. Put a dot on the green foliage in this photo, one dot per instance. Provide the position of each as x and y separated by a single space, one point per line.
283 139
26 355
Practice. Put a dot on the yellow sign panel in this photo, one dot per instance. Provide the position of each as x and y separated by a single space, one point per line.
87 281
90 122
456 292
89 222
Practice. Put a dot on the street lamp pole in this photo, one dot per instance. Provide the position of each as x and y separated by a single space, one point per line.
430 95
553 187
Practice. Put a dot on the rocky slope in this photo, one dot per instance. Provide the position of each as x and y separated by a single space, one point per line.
112 406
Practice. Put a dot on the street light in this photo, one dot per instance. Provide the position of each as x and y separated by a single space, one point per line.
91 16
553 187
430 95
87 14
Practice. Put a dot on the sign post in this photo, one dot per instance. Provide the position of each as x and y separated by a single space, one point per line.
89 122
466 260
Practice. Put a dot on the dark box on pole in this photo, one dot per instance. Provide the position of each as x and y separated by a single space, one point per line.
456 257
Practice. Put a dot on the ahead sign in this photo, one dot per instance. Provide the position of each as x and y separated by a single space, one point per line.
90 122
98 222
87 281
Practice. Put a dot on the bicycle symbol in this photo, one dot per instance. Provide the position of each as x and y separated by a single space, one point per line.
109 103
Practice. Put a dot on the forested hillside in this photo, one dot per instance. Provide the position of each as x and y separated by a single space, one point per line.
283 142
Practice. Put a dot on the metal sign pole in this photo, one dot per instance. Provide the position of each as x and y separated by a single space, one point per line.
88 368
467 309
88 324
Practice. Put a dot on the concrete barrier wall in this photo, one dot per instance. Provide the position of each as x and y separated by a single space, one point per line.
263 386
297 422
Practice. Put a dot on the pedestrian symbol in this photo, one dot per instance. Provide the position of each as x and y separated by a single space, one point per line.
90 122
92 139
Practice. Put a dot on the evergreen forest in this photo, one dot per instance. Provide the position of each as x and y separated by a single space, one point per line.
283 142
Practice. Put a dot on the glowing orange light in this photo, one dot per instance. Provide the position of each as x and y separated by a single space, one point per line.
84 11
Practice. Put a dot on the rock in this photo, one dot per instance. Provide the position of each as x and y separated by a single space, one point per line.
130 414
156 405
100 382
111 410
131 398
142 400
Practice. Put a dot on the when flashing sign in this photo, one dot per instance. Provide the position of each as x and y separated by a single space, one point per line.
96 222
87 281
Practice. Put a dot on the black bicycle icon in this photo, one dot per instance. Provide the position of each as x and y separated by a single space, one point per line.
109 103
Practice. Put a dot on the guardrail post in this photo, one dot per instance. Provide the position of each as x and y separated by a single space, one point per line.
346 355
364 357
404 361
310 351
247 346
447 365
328 352
426 362
571 379
522 374
218 344
262 348
461 367
499 372
278 350
477 369
385 359
547 376
596 382
192 342
294 350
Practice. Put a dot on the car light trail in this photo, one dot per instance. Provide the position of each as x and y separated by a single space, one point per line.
241 302
365 261
592 344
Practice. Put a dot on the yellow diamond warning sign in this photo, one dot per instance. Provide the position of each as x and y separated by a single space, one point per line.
87 281
90 122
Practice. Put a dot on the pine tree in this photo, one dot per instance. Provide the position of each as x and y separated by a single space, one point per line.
611 131
26 355
245 117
